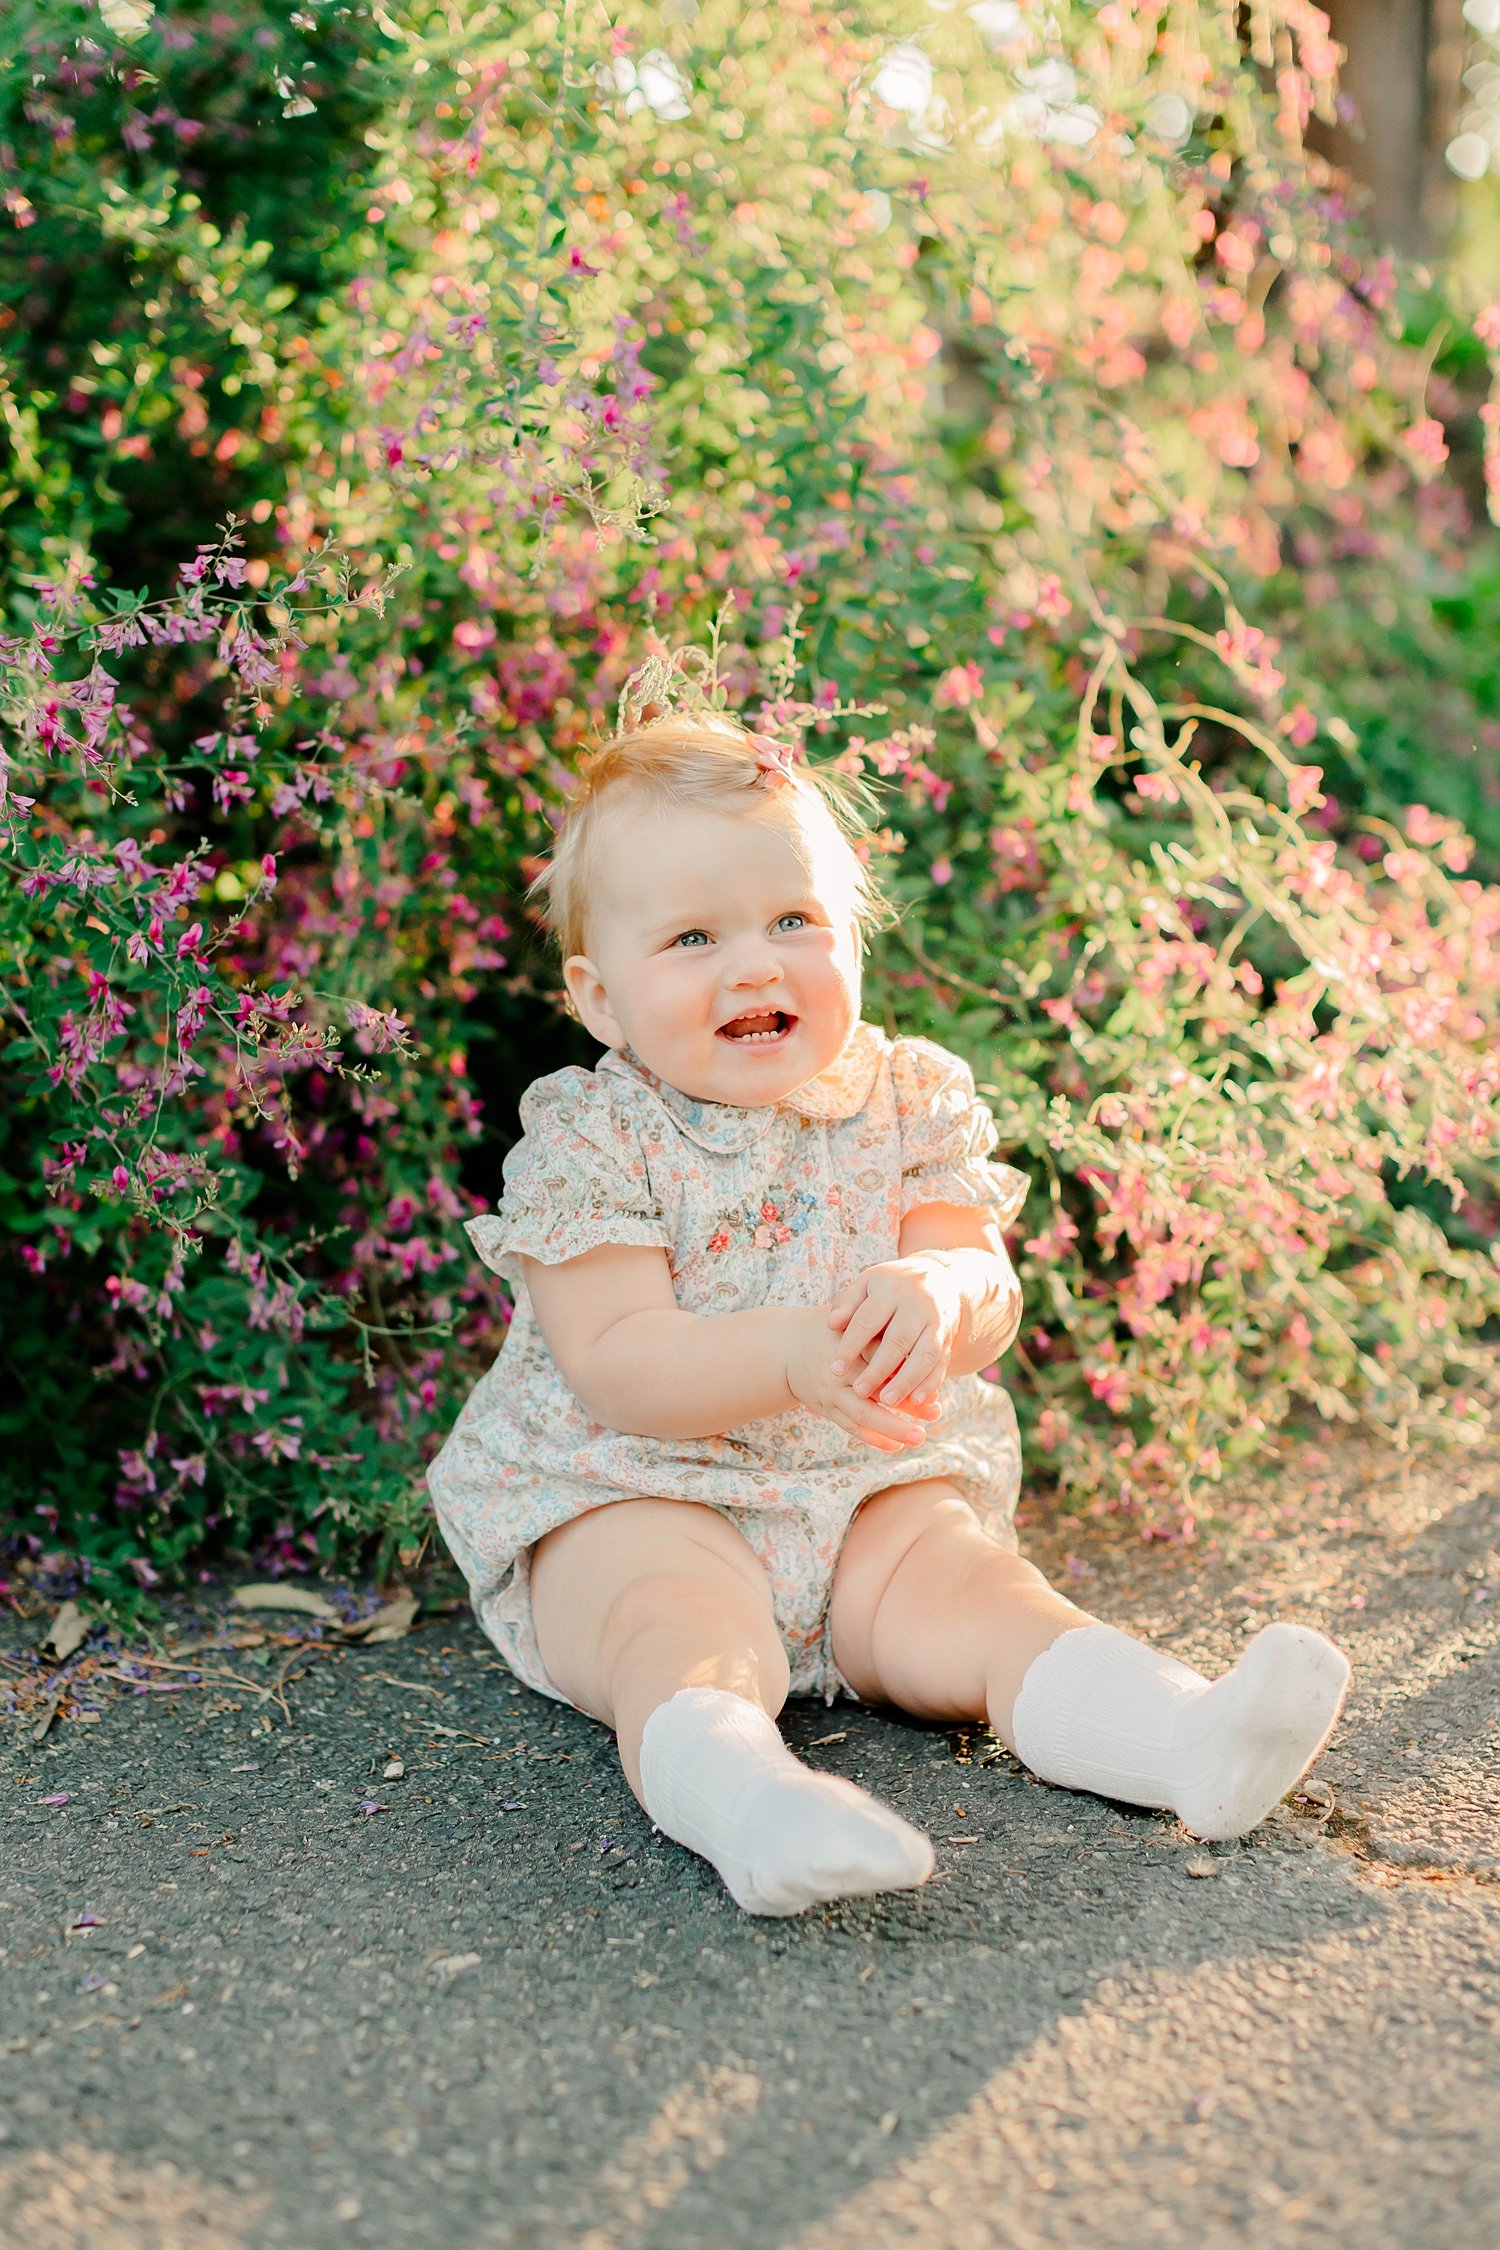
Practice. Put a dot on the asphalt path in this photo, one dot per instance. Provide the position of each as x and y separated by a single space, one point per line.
256 1988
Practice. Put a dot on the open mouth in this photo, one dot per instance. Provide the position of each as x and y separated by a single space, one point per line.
760 1027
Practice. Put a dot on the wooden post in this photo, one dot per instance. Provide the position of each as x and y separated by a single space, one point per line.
1403 70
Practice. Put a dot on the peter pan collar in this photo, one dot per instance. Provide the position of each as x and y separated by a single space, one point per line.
841 1090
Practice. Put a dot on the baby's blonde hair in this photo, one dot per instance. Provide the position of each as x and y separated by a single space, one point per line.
693 758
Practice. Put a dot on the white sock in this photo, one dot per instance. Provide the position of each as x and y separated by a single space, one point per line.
1101 1711
716 1776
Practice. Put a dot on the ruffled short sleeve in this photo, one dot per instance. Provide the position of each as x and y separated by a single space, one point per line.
574 1181
947 1134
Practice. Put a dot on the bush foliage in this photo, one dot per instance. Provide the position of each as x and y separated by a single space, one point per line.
383 384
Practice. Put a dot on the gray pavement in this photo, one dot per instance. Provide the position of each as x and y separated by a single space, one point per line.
239 2008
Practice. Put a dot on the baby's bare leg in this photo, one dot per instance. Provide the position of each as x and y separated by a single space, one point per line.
930 1613
641 1598
654 1616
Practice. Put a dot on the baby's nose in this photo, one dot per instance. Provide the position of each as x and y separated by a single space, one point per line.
755 965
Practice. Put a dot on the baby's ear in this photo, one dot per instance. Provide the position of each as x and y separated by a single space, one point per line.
585 988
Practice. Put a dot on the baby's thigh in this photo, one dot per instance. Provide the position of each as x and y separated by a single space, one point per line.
889 1526
594 1578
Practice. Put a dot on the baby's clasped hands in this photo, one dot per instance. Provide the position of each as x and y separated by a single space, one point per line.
903 1317
902 1321
812 1382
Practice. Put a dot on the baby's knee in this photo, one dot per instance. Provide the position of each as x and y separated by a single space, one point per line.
687 1597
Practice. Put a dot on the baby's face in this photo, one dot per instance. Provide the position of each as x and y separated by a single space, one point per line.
709 917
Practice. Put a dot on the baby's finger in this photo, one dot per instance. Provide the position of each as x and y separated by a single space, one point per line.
889 1421
864 1418
912 1378
866 1325
878 1438
919 1410
887 1363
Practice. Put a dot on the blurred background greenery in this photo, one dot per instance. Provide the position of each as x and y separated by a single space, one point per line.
1089 395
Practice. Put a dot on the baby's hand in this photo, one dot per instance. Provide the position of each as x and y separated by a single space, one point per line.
812 1382
900 1321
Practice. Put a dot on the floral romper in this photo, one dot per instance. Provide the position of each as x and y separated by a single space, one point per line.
777 1204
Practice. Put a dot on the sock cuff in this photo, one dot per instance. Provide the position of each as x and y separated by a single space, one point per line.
1068 1693
683 1727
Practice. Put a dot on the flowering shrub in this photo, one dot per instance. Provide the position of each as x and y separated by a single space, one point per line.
1013 370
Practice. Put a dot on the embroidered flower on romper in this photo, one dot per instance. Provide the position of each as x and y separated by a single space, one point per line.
767 1223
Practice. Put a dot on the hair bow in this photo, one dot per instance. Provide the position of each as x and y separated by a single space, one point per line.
772 757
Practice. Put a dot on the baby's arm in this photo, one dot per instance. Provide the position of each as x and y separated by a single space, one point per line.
636 1361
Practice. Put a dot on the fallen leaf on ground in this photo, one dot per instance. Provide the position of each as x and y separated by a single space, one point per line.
49 1712
391 1622
277 1596
824 1739
69 1630
58 1797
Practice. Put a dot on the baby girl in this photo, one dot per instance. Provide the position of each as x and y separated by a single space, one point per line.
757 1260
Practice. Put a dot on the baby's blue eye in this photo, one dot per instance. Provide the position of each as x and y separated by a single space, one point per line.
794 916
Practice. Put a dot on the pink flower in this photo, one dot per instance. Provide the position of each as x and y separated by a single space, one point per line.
1424 826
1110 1386
474 633
960 687
1303 784
1426 447
1158 788
1055 1239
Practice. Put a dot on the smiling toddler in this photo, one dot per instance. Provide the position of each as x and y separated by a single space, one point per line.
737 1445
